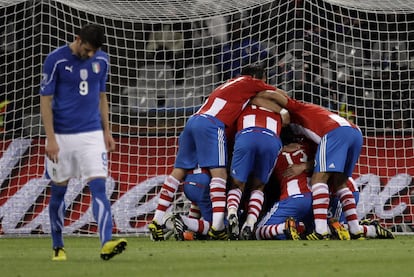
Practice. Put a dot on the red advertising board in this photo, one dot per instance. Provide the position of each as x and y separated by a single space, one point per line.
384 175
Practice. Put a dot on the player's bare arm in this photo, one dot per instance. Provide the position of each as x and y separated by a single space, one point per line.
278 95
52 147
273 106
109 140
296 168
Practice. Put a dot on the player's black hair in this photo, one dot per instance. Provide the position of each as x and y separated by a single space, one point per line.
286 135
92 34
255 70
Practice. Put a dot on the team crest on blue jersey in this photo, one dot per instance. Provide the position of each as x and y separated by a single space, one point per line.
84 74
96 67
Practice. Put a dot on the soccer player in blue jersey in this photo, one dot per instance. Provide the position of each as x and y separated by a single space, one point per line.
74 111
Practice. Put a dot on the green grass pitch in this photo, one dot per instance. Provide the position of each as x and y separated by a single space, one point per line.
32 257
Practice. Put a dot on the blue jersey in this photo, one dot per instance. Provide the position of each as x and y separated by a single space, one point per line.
76 85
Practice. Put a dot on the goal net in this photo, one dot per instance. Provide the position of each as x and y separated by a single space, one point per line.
353 57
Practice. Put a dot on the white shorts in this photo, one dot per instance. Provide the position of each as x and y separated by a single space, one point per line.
80 155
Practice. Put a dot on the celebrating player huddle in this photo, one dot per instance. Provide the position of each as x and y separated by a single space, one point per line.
237 133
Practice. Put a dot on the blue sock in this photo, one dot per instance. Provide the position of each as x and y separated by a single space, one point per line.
101 208
57 213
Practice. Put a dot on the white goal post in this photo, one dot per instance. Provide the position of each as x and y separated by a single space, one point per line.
353 57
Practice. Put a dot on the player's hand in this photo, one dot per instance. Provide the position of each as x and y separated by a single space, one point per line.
109 143
294 170
52 150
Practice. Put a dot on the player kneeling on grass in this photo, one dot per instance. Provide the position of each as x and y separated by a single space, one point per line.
197 190
292 170
74 111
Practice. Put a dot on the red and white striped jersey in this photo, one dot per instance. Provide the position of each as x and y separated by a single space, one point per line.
312 120
228 100
255 116
298 184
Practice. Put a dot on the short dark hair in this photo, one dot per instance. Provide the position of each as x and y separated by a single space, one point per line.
286 135
254 70
92 34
